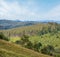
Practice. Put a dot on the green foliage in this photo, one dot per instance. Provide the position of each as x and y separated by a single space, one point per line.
24 40
56 55
2 36
45 33
37 46
8 49
29 45
38 29
18 42
48 50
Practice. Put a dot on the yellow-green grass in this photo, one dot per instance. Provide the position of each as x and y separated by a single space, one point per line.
8 49
6 53
14 38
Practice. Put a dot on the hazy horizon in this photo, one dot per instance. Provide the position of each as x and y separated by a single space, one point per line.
30 10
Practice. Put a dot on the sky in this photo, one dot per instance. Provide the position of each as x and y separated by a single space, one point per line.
30 10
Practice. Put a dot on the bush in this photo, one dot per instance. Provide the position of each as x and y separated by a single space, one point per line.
17 42
23 41
29 45
37 46
57 55
2 36
48 50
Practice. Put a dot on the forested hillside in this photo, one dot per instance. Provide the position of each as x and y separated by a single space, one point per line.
43 38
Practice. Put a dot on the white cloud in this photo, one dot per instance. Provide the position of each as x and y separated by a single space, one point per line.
14 10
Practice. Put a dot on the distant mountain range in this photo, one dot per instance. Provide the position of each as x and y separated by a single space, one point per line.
8 24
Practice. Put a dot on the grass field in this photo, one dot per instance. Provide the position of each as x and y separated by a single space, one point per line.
12 50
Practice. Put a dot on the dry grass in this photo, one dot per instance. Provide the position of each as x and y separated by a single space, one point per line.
8 49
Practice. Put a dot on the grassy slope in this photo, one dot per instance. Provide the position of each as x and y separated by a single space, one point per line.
46 38
12 50
19 30
33 29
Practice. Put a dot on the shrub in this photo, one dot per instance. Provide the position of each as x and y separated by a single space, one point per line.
29 45
48 50
2 36
37 46
56 55
23 41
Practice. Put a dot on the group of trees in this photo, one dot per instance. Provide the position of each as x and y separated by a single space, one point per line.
48 50
49 28
36 46
28 44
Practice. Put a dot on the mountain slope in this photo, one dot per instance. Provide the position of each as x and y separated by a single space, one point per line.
7 24
12 50
33 29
